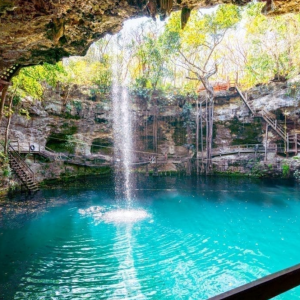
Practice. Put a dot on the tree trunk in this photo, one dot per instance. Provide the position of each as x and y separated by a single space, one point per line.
197 135
8 124
3 97
201 126
209 125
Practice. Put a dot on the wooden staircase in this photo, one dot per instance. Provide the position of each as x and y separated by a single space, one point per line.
22 170
292 141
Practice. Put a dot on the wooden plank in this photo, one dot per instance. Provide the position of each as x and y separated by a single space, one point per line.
266 287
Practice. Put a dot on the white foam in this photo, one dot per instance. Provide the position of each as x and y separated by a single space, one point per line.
117 216
125 216
93 210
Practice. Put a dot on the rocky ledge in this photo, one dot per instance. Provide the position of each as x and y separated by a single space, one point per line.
35 31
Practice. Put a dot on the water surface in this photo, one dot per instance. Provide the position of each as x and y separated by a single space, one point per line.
183 239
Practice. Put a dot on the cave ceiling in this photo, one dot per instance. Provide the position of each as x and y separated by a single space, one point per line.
39 31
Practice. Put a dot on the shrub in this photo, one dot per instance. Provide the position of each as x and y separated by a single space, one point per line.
285 170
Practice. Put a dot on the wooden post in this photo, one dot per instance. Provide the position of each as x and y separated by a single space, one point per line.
296 143
2 100
266 143
287 145
206 121
190 167
201 135
197 135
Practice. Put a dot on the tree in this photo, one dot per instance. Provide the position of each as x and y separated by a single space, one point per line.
197 47
274 44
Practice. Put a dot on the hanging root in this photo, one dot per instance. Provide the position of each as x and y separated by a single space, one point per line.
151 8
269 7
166 6
185 15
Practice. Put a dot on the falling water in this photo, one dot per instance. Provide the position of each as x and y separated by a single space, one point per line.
122 127
130 287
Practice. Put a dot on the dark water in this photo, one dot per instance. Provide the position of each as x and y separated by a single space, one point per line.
183 239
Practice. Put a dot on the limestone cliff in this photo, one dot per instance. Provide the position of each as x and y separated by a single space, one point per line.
83 126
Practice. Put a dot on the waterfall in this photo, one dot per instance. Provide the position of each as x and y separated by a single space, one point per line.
130 287
122 128
126 213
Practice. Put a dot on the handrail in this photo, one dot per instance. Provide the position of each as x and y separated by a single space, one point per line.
248 146
20 160
266 287
244 99
271 121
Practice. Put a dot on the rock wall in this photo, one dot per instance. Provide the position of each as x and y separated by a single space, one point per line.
82 125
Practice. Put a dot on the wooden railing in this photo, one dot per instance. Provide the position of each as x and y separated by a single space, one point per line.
27 148
244 98
21 162
273 123
266 116
247 148
266 287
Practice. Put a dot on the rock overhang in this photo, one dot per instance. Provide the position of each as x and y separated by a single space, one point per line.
36 31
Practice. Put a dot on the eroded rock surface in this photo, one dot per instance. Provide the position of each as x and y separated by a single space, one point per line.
83 126
38 31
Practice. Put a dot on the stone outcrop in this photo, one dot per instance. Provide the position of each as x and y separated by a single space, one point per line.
38 31
83 126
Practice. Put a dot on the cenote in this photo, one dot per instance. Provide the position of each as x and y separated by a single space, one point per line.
162 163
182 238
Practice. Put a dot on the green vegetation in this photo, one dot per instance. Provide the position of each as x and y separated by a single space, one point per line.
63 141
245 133
102 145
4 165
285 170
76 175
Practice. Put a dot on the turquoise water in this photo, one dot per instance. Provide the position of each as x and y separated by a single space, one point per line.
183 239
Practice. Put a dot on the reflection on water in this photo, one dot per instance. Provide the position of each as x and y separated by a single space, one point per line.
183 239
129 287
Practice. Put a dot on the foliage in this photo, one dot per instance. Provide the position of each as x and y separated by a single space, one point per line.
31 81
285 170
78 106
4 165
245 133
